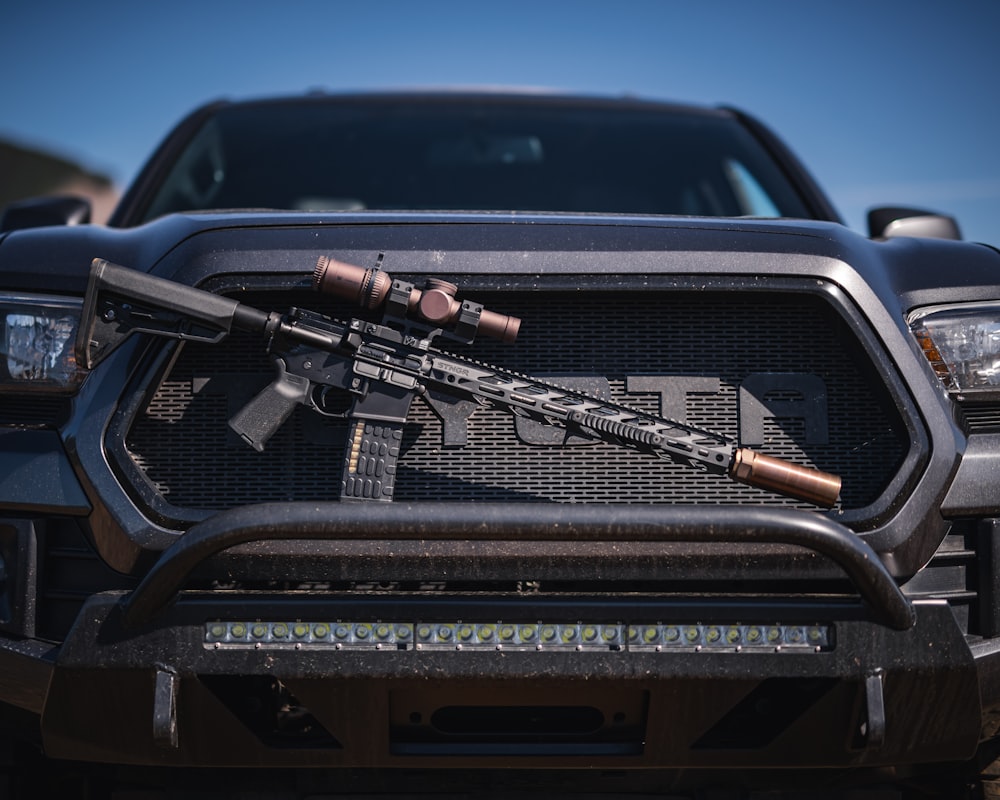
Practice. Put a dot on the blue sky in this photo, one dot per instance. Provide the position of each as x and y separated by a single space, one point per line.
887 101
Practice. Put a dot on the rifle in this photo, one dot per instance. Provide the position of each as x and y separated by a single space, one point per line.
383 365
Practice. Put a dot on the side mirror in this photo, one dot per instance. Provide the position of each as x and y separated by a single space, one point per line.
887 222
37 212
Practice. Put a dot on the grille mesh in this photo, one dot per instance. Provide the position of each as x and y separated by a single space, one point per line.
185 448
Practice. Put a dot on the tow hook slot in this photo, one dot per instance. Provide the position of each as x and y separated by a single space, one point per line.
874 726
165 708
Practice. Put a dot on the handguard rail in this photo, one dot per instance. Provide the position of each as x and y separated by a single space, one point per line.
513 522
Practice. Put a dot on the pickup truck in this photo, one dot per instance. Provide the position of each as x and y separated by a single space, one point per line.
716 512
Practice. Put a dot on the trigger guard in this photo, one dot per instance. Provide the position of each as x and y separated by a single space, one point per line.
319 402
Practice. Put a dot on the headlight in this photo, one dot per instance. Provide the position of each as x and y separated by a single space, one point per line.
962 342
37 334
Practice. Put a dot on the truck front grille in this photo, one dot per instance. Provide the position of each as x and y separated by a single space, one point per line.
785 367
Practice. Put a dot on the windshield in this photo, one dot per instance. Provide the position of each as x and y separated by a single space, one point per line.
468 155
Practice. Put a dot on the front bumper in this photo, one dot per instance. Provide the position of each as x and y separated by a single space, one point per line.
166 694
167 675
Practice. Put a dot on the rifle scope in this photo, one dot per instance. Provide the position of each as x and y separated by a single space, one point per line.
436 303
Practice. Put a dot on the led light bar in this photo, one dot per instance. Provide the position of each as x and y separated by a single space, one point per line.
363 635
730 637
519 636
522 636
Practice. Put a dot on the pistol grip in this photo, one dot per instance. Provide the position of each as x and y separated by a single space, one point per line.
257 421
370 462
